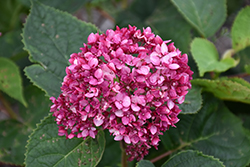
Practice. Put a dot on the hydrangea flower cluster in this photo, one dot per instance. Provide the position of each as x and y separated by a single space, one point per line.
126 81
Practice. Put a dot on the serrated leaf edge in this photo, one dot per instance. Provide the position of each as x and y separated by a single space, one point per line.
30 55
208 80
38 125
57 10
199 153
196 27
137 164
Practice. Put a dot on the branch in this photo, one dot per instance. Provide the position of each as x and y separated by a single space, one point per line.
7 107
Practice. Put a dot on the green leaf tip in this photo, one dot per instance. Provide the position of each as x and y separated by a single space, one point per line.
241 30
206 56
11 80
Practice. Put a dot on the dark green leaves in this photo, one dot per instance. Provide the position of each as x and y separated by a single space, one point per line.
234 89
192 158
241 30
45 147
14 134
66 5
145 163
214 131
10 80
207 58
206 16
50 36
193 101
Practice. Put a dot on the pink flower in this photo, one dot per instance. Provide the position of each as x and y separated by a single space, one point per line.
127 81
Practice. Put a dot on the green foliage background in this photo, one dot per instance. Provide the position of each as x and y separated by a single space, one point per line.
39 36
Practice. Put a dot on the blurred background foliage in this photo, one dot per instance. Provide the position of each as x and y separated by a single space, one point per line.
161 15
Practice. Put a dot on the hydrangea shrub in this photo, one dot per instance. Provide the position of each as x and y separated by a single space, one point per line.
127 81
128 97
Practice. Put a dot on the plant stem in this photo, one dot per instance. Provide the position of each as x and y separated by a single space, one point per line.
7 107
183 144
105 14
124 155
161 156
242 75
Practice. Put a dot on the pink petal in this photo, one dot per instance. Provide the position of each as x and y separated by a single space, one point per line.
153 78
98 122
155 141
118 138
98 73
127 139
91 134
144 70
164 49
170 104
119 113
86 66
119 52
93 62
83 102
126 101
135 107
125 120
118 105
92 38
165 59
153 129
181 99
155 58
70 136
93 81
85 133
135 139
174 66
117 38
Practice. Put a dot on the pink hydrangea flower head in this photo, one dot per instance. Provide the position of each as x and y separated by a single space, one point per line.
127 81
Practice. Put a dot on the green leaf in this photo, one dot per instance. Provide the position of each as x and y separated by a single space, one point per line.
192 158
51 36
241 30
38 108
247 68
10 80
46 148
13 137
14 134
10 12
144 163
112 152
169 24
234 89
65 5
193 101
10 44
214 131
207 58
206 16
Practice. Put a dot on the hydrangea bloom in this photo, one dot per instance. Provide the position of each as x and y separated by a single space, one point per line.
126 81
